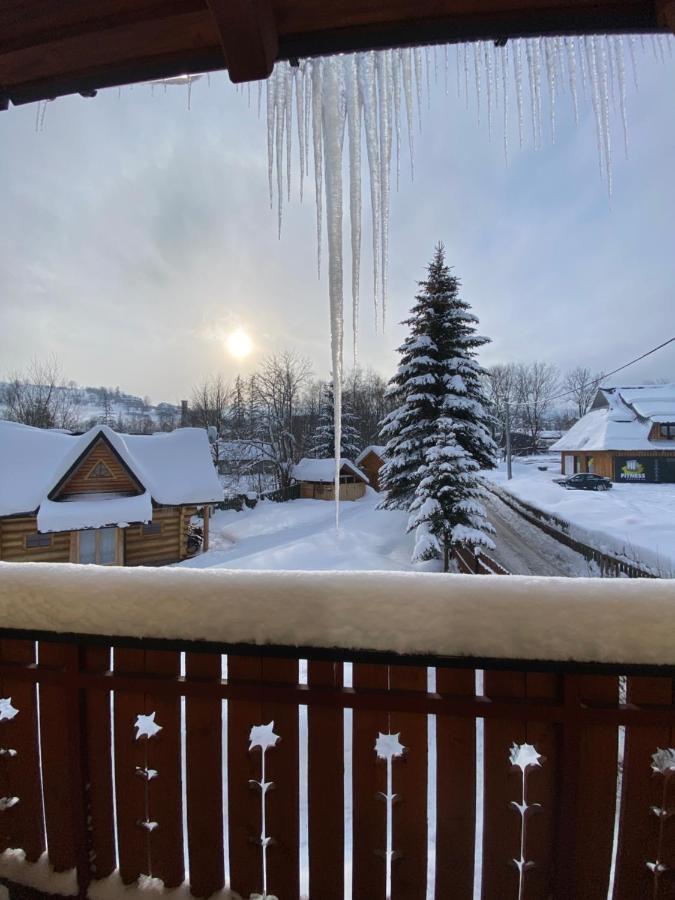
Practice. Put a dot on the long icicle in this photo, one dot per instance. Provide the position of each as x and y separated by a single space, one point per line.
354 135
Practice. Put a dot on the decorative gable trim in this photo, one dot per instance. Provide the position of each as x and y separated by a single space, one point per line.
52 495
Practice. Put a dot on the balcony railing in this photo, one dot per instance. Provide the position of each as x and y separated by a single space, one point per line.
405 775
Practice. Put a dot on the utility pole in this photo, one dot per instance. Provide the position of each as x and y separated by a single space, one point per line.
507 423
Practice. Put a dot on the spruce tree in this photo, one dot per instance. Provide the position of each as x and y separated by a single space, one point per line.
438 376
323 440
446 509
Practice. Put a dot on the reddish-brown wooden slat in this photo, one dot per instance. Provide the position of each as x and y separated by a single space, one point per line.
21 825
409 835
204 788
58 789
596 799
542 788
455 791
242 768
325 787
502 785
639 828
369 778
165 793
283 803
99 768
133 841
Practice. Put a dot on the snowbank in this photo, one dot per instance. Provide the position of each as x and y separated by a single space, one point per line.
422 613
38 875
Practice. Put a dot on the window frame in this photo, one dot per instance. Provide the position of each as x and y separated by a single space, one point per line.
156 529
91 476
75 546
43 541
667 431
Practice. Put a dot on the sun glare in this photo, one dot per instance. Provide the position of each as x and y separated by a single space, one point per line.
239 344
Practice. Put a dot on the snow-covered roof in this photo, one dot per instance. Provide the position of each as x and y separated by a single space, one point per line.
324 470
621 419
175 467
373 448
93 512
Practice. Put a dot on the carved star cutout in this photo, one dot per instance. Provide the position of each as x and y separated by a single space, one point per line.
7 711
146 726
388 746
662 761
263 736
524 755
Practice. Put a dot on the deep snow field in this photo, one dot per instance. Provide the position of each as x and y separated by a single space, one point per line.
636 521
301 535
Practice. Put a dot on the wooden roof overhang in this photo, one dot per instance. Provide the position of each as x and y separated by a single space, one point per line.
49 48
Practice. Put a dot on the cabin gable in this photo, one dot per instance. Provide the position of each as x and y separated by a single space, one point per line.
99 470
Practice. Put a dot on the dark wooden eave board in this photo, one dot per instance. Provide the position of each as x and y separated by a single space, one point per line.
49 48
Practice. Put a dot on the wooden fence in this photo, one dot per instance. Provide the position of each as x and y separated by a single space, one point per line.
610 566
115 760
471 563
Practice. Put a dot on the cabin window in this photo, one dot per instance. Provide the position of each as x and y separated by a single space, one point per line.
151 528
97 546
667 431
590 464
38 540
100 470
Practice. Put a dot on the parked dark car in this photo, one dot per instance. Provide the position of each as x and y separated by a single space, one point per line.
585 481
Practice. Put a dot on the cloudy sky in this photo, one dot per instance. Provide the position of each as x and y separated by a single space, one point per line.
137 235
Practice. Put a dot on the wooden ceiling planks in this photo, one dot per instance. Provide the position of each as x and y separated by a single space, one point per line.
49 48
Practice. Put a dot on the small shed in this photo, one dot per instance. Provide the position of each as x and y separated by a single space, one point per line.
316 478
371 461
102 497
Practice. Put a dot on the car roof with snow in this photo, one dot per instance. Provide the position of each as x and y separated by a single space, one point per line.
175 468
323 470
621 419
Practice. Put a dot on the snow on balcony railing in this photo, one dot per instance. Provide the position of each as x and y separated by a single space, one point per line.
132 767
525 618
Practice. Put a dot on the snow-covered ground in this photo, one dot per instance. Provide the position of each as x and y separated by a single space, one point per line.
635 521
301 535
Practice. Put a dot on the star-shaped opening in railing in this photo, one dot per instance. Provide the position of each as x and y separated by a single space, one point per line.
663 761
7 711
263 736
524 755
388 746
146 726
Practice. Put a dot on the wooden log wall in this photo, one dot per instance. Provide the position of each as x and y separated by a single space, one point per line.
425 752
81 481
13 534
315 490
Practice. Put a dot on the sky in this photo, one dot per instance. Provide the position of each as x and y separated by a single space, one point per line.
138 235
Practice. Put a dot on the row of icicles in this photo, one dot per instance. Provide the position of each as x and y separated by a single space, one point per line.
379 96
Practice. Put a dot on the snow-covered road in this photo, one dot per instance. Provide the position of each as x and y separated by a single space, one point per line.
524 549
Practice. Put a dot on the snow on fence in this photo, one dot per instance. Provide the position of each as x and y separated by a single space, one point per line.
610 566
471 563
207 754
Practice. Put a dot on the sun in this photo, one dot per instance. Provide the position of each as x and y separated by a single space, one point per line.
239 344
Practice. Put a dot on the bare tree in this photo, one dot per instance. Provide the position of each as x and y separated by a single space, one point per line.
582 386
536 387
278 387
40 397
502 392
209 407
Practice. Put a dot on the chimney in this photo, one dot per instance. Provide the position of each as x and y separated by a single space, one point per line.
184 414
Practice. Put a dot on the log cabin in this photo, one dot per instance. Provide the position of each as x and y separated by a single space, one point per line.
102 497
316 478
371 461
628 435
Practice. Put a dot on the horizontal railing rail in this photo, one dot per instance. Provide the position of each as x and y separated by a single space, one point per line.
123 757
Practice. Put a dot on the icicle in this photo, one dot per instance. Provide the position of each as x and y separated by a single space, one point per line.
617 46
270 89
465 48
396 87
353 101
260 87
366 70
589 44
384 79
436 63
406 66
476 67
445 69
518 75
427 67
488 86
299 83
37 116
533 88
551 77
418 81
288 117
606 133
333 115
280 105
504 55
631 49
572 74
248 91
317 69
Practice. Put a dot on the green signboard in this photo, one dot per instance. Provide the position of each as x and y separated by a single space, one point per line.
634 469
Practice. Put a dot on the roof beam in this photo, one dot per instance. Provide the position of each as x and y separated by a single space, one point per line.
248 35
